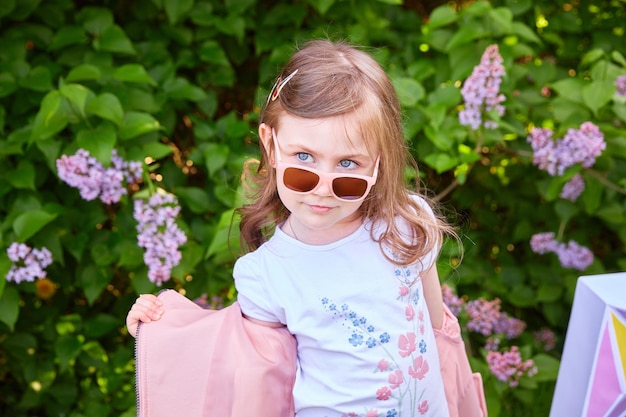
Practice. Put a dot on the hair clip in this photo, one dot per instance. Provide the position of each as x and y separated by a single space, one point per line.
278 87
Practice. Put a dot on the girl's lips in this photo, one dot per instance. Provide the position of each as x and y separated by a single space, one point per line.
319 209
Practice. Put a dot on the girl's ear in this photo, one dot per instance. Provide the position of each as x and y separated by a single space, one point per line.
265 134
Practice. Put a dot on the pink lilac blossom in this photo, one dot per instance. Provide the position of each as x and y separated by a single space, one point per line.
546 338
93 180
159 235
511 327
481 90
571 255
28 263
509 367
492 343
454 303
483 315
573 188
578 146
620 83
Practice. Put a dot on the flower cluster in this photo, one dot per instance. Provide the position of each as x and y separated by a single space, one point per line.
93 180
481 90
455 304
573 188
571 254
159 235
486 318
546 338
28 263
620 83
509 367
578 146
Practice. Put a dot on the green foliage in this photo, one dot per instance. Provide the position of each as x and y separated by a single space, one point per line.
177 85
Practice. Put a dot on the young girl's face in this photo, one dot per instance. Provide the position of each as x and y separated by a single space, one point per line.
331 145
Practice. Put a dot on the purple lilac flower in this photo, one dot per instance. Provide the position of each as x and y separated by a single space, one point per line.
93 180
483 314
481 90
509 367
492 343
578 146
215 303
571 255
28 263
546 338
511 327
543 243
620 83
454 303
573 188
159 235
574 256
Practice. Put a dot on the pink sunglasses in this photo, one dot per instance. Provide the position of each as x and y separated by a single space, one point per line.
304 180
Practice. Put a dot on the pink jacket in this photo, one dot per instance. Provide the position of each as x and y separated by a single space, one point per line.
200 363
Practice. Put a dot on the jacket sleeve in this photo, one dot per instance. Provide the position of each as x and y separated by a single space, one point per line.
464 389
199 362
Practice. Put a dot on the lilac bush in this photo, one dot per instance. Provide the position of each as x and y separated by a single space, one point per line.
508 366
93 180
481 90
27 263
159 234
570 254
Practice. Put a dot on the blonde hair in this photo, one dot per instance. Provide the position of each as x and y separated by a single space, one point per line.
338 79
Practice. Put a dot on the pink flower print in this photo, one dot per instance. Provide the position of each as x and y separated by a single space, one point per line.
383 393
404 290
372 413
420 315
383 365
422 329
410 313
396 379
419 368
423 407
406 344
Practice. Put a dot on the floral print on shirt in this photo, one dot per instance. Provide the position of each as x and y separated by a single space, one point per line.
399 382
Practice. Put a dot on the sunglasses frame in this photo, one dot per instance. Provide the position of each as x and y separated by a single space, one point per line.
322 176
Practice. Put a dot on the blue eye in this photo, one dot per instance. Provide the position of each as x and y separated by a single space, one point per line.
346 163
303 156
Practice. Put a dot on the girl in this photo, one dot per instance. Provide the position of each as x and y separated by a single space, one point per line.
341 252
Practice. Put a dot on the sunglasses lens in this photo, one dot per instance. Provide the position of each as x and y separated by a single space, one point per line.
349 188
300 180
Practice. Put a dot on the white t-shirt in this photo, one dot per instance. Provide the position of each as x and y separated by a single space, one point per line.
366 346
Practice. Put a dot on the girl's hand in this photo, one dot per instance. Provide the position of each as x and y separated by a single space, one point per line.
146 309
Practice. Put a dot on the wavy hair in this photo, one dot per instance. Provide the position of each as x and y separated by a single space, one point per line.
336 79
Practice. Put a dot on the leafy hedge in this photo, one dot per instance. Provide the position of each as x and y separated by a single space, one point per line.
176 85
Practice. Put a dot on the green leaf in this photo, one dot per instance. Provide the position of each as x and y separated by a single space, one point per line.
77 95
502 18
176 9
220 241
547 367
67 348
566 210
196 199
8 84
440 139
135 73
212 52
180 89
99 141
114 39
441 16
9 307
409 91
51 117
137 124
93 281
156 150
23 176
466 34
6 7
68 35
441 162
96 20
523 296
5 267
84 72
321 6
526 33
393 2
598 93
612 213
570 88
548 292
38 79
232 25
108 107
215 157
27 224
592 56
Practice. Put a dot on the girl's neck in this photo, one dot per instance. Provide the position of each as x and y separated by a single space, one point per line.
292 228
